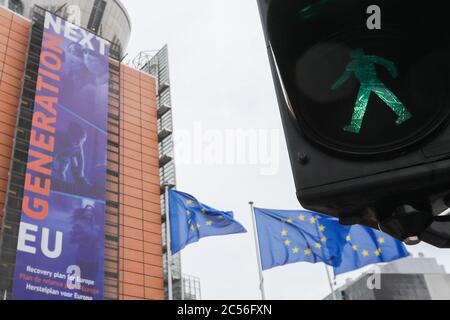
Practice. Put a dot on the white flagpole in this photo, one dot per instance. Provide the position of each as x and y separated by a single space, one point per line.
333 293
168 251
258 254
181 280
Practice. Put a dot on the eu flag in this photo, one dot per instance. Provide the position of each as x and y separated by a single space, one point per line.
287 236
363 246
292 236
191 220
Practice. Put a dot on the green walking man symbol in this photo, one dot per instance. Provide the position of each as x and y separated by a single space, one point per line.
363 66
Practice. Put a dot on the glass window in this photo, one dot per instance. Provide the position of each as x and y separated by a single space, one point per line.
16 6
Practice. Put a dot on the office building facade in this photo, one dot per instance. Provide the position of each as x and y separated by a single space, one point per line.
133 248
412 278
157 64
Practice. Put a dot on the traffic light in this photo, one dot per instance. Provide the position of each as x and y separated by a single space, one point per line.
364 94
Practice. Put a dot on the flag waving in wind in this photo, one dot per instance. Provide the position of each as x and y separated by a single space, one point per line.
292 236
287 236
191 220
364 246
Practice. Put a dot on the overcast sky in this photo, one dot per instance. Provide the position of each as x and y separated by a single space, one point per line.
221 83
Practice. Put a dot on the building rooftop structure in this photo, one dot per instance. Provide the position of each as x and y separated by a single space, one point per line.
191 288
106 18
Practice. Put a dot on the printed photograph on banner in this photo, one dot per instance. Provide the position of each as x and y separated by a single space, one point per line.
79 165
85 81
70 265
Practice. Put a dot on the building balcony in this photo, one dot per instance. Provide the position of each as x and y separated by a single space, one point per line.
162 110
164 159
163 133
163 87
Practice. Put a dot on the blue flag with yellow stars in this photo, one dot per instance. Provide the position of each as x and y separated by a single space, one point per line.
287 236
292 236
191 220
364 246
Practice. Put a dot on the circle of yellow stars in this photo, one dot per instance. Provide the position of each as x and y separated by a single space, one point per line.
296 249
364 252
313 220
196 227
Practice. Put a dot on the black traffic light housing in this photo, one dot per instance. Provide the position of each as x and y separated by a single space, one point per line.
391 175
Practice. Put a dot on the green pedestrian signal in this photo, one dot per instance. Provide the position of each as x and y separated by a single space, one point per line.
356 90
363 66
363 90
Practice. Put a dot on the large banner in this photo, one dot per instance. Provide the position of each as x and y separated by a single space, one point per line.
61 237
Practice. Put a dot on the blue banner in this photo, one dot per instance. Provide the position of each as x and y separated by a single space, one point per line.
60 249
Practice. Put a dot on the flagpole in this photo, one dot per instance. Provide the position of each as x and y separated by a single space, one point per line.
258 253
333 293
168 250
181 280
